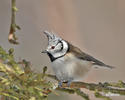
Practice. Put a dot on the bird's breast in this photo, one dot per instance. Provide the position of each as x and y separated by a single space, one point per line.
70 68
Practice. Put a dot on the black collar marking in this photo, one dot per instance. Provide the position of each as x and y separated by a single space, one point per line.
53 58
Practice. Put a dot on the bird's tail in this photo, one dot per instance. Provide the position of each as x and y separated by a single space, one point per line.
104 66
108 66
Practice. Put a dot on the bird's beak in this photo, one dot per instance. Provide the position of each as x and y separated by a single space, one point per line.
44 51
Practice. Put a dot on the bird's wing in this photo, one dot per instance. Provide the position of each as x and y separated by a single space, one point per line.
83 56
87 57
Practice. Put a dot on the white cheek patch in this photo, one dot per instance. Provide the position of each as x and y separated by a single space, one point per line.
63 51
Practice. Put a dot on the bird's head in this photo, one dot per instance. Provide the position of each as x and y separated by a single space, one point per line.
56 46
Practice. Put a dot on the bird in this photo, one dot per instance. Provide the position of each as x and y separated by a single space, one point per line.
68 62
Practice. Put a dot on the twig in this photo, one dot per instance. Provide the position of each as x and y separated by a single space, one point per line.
99 95
12 38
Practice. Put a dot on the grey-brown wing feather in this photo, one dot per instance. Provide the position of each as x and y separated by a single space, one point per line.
81 55
92 59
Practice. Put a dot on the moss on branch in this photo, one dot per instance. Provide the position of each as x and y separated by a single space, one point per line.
101 87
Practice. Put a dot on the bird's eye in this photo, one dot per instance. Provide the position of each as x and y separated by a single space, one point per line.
52 47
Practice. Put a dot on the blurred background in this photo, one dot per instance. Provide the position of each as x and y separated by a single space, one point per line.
95 26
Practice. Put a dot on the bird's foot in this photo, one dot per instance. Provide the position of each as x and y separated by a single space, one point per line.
69 83
60 84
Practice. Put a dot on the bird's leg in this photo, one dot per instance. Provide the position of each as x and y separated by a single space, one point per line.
60 83
69 83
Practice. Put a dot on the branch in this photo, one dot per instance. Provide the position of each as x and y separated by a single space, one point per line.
12 38
100 89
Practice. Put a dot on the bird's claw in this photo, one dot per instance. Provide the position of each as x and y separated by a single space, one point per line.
68 83
60 84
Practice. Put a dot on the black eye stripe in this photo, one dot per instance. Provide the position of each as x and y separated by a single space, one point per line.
61 45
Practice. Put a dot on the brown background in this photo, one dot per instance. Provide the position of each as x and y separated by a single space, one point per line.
95 26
